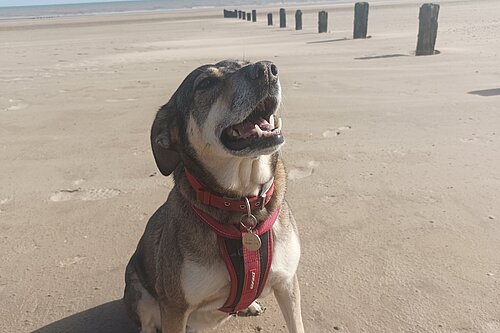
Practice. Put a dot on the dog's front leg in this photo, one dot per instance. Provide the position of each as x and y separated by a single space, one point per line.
288 297
173 319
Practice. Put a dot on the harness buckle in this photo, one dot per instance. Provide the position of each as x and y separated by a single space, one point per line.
263 192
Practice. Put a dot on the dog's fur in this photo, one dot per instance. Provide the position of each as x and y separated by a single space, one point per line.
176 280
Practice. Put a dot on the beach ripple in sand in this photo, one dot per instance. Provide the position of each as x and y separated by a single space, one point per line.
84 194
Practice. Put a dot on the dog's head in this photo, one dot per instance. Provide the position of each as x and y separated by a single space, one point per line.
226 110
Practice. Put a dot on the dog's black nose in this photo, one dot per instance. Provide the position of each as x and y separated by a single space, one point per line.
262 69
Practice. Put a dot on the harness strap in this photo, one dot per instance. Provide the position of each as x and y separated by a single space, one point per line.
232 231
248 270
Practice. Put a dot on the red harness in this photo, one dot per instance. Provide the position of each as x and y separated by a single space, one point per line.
247 269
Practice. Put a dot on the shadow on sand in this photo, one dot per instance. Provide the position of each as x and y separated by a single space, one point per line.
382 56
486 92
106 318
328 41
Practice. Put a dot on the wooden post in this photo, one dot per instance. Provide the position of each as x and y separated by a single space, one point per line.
427 29
239 14
282 18
254 15
269 18
322 21
361 20
249 16
230 13
298 20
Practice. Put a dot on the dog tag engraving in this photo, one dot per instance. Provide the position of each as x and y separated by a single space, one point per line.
251 241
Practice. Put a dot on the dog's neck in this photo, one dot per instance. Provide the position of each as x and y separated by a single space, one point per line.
242 176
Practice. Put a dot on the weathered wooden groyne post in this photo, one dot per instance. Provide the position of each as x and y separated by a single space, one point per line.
243 15
282 18
249 16
322 21
239 14
230 13
361 10
254 15
427 29
298 20
269 18
235 13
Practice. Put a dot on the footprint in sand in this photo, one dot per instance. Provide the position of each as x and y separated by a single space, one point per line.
16 104
302 172
335 132
84 194
70 261
17 107
491 327
469 140
3 202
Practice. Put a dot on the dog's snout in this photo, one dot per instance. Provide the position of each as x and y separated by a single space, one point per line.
263 69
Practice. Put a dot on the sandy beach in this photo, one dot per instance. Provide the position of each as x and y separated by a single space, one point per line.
393 163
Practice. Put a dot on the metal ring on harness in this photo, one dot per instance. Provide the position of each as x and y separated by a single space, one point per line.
248 221
251 222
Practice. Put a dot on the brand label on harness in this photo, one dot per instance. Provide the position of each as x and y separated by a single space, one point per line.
252 279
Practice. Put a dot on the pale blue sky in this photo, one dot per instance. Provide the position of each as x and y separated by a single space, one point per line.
7 3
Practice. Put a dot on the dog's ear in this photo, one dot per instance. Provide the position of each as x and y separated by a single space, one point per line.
164 137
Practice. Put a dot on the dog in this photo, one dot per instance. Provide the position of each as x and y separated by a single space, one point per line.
220 131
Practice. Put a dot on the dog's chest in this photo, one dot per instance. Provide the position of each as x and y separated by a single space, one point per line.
207 286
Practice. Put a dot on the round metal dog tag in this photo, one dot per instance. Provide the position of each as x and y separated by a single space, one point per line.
251 241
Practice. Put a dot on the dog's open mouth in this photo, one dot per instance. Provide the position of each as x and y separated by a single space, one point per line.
261 129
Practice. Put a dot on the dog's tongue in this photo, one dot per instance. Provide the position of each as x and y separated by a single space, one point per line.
247 128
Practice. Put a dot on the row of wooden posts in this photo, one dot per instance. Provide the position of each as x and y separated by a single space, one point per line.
427 31
322 17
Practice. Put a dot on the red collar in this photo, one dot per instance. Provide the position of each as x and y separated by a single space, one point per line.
207 197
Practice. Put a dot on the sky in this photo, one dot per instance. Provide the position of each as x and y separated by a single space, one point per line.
8 3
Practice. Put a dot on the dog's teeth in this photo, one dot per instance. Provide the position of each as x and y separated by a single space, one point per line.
279 123
271 121
259 131
233 132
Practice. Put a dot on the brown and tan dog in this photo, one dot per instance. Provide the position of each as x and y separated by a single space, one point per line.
222 125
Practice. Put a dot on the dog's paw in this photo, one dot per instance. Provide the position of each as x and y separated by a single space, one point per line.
253 310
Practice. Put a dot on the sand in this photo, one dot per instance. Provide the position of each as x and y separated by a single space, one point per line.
393 163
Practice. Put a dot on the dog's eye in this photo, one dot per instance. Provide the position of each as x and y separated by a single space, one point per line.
206 83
